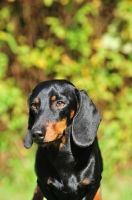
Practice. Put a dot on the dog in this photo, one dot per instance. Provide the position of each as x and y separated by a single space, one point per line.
63 122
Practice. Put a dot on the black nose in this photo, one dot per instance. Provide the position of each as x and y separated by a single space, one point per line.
37 134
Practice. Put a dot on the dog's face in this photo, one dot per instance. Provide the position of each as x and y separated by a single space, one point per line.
53 106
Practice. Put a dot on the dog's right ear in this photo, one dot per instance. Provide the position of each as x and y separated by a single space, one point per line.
28 139
86 121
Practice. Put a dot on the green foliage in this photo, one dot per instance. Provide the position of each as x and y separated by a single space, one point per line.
71 40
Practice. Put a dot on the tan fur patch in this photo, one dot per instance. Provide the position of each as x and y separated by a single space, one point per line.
63 141
37 100
98 195
37 189
49 181
72 114
38 194
50 133
34 106
53 98
85 182
60 126
54 131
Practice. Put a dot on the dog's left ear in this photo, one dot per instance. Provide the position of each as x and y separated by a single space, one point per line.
28 139
86 121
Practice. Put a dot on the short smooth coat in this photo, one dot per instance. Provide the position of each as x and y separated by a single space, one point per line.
63 121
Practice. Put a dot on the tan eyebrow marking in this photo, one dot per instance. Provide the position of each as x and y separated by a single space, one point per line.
34 105
53 98
37 100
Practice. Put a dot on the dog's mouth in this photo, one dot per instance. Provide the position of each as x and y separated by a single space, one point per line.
48 143
45 144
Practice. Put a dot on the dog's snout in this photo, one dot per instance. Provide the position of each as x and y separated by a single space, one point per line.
37 134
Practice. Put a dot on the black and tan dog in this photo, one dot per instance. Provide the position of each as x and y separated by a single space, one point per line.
63 121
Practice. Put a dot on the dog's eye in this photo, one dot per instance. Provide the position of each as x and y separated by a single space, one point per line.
33 106
60 104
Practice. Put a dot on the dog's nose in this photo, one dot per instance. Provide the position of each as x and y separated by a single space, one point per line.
37 134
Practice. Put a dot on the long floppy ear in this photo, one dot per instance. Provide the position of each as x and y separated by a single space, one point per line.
28 139
86 121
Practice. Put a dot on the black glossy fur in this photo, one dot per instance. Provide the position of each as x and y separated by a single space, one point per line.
63 121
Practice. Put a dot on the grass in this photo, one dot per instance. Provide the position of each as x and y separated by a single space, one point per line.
18 190
117 187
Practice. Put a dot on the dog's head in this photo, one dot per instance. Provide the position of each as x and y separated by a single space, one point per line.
53 106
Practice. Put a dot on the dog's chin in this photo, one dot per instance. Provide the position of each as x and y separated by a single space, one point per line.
48 143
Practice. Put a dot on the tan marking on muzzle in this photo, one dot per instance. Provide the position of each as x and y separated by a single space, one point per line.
55 130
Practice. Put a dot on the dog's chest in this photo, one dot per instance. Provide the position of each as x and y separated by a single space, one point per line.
61 172
63 161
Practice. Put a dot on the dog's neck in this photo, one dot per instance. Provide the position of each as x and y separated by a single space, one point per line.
66 154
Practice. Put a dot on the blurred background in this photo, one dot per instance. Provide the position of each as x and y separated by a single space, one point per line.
88 42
